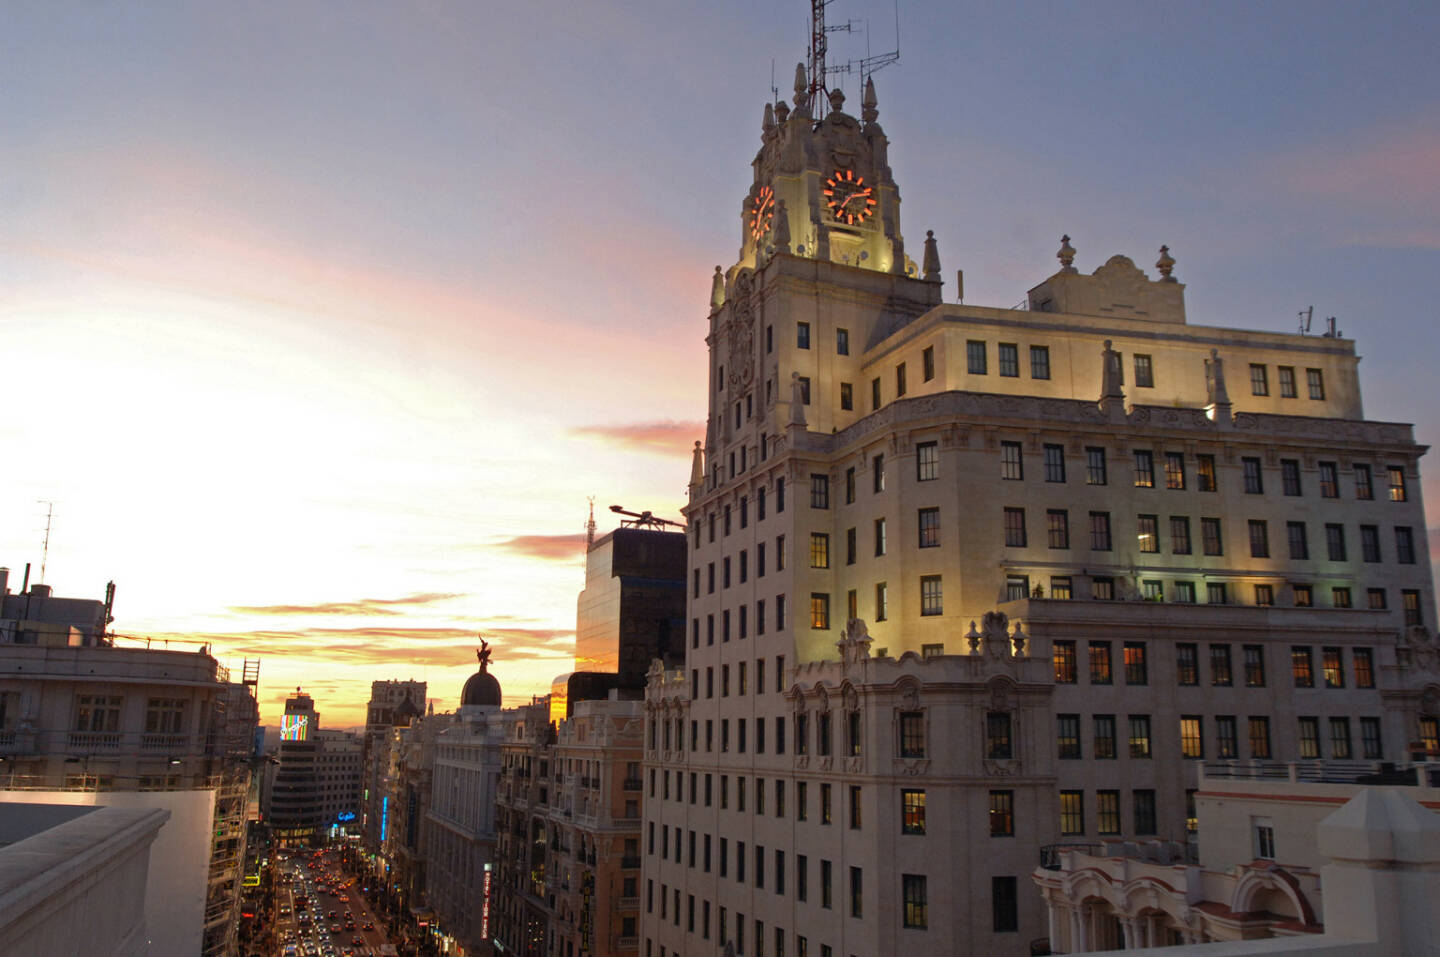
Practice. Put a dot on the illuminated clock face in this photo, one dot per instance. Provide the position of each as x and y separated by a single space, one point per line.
850 199
762 211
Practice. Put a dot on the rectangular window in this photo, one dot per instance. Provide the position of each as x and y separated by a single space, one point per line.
1060 587
1370 543
819 550
1014 527
913 893
804 381
877 473
1404 545
802 335
1107 812
1205 472
1137 668
1340 739
882 595
1329 480
1057 528
1301 666
1335 542
1148 532
1039 362
842 342
1144 372
1310 738
1364 668
1316 380
1187 664
1095 466
1254 479
819 610
1179 535
1054 463
1264 594
976 363
1410 601
826 896
1144 469
899 380
1375 598
1225 743
1364 483
1259 539
850 486
1004 905
1290 476
850 548
1332 667
1100 670
931 595
1102 589
998 744
1104 736
1192 745
930 527
1287 381
1063 656
819 491
1185 592
847 397
1009 359
855 819
1072 813
1144 811
1216 593
927 461
1295 536
1397 483
1175 470
1430 735
1012 465
1259 737
1254 666
880 540
1100 531
1210 536
1067 735
1371 747
1259 380
1340 597
927 362
857 885
1139 736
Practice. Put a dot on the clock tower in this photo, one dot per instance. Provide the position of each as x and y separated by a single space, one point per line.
823 189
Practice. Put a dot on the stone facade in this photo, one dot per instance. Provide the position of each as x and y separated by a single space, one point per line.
968 582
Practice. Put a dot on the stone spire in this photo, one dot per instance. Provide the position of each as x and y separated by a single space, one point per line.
697 468
797 402
868 112
717 289
768 122
1112 397
802 85
782 227
932 257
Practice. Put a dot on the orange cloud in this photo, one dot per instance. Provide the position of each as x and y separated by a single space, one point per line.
363 606
546 547
660 438
439 647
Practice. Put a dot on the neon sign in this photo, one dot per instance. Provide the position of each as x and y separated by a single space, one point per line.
485 906
294 727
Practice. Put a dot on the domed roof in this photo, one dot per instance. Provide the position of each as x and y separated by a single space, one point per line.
481 689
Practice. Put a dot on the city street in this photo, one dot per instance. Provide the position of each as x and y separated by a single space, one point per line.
322 913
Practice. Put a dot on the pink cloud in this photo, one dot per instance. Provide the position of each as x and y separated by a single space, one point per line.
661 438
546 547
362 606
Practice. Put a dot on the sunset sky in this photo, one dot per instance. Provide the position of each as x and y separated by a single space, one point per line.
320 320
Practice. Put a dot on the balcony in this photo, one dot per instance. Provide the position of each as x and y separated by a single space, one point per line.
163 742
1050 853
95 740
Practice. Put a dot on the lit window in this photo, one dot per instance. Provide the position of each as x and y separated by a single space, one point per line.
931 595
819 610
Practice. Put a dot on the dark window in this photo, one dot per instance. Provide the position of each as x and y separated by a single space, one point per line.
1295 535
1144 811
1054 463
1107 812
1364 482
1067 735
912 734
1144 469
1370 744
1221 673
930 527
1259 539
1187 664
1094 466
1014 527
1310 737
1210 536
1205 472
1179 535
842 342
1329 480
1370 543
1226 746
998 745
1316 380
1002 813
1012 464
1100 531
1144 372
1287 381
927 362
1100 670
1254 666
1057 528
1139 736
927 461
847 397
1301 666
874 394
1039 362
913 892
1009 359
1404 545
1104 736
877 473
1259 380
1254 481
1137 669
819 491
976 363
1335 542
1004 904
1290 476
899 380
802 335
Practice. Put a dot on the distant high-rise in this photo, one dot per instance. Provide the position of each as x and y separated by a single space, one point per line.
317 781
632 609
392 704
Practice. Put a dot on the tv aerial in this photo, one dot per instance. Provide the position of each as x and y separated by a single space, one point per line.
644 519
819 47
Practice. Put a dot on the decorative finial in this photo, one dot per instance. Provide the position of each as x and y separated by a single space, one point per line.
697 465
717 289
1165 264
837 100
782 111
802 85
868 112
1066 255
932 257
782 227
482 654
768 123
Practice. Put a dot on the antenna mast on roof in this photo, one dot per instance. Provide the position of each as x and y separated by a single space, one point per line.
45 552
818 91
590 525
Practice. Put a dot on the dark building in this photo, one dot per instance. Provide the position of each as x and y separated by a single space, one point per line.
632 609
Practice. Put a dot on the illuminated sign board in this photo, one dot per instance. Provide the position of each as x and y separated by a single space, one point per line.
344 816
384 815
295 727
485 906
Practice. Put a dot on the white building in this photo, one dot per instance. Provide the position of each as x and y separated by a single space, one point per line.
966 582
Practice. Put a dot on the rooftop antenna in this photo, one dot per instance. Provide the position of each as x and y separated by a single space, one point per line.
819 44
643 519
1306 315
45 552
590 525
